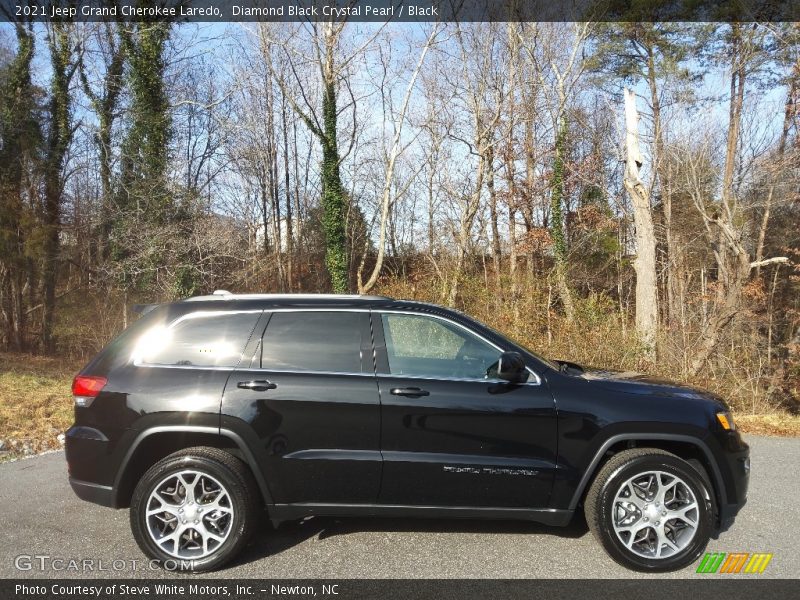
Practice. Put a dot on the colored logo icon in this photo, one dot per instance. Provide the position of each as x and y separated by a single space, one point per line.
734 562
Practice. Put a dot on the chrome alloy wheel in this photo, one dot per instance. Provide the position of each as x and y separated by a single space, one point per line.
189 515
655 514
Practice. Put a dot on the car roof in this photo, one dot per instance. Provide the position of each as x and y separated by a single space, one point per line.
223 297
224 300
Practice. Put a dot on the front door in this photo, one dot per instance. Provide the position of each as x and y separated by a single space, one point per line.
451 433
311 401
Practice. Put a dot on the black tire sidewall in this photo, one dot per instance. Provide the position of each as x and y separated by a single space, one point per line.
667 464
236 490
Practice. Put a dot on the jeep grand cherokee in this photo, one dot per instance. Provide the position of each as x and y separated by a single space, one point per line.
207 412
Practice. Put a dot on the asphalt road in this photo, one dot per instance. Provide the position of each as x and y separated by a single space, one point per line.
40 516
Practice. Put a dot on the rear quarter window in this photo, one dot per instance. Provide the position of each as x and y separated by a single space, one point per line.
199 340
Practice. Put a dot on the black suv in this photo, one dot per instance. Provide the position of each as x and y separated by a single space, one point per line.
205 412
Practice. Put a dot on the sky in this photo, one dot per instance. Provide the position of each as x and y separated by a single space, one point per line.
215 43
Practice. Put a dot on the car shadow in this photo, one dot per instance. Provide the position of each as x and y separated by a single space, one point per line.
269 540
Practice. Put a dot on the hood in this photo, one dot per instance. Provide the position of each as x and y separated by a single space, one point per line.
631 382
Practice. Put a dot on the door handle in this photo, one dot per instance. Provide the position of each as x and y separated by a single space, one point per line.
411 392
259 385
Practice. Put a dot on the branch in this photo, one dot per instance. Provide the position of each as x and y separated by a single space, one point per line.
783 260
389 174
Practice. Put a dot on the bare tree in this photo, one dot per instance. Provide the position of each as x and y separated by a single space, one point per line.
558 61
395 150
645 262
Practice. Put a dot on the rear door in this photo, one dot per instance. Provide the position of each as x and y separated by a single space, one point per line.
452 435
310 400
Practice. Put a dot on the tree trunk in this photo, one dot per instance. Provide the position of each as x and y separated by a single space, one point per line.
465 229
789 114
645 262
388 180
557 222
58 140
733 262
728 306
333 200
289 224
493 216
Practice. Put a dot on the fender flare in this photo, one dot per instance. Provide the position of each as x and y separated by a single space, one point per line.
227 433
591 469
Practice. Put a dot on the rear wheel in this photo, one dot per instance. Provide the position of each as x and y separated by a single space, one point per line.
195 509
650 510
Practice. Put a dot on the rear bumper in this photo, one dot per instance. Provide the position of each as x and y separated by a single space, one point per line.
93 492
89 463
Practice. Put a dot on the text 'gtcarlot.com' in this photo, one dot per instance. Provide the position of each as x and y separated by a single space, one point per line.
42 562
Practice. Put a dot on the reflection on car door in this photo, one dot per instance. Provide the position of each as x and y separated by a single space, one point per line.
312 401
449 435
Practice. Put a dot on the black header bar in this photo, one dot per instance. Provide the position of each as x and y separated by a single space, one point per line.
197 588
187 11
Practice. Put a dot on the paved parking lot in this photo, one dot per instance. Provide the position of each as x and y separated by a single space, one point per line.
41 517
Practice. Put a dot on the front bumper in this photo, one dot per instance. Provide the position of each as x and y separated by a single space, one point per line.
736 478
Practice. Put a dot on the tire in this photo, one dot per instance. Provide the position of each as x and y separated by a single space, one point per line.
206 507
626 505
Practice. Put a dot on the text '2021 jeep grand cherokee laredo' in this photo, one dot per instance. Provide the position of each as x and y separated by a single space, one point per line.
205 412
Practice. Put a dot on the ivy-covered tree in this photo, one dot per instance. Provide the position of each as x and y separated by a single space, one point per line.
105 103
144 196
324 126
334 201
59 136
20 145
557 201
145 151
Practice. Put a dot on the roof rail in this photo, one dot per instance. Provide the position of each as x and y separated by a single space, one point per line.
226 295
143 309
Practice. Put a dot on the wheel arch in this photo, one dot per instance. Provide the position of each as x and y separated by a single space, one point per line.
684 446
155 443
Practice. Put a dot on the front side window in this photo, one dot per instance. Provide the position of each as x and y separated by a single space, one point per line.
199 340
328 342
422 346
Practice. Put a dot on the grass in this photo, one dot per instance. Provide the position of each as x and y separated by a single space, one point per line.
35 401
36 405
777 423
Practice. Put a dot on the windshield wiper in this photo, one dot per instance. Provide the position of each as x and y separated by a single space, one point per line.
569 368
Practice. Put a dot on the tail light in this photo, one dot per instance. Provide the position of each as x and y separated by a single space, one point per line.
85 389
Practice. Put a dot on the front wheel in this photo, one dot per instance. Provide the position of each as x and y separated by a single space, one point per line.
650 510
195 509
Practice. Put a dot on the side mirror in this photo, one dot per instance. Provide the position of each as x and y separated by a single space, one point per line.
511 367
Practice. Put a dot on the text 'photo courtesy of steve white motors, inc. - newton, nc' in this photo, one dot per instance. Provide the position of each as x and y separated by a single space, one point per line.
226 10
170 590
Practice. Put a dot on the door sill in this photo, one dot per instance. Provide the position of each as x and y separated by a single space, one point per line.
289 512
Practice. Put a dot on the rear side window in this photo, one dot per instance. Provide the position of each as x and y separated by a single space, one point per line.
200 340
313 341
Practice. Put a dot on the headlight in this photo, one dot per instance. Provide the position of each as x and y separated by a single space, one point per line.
726 420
